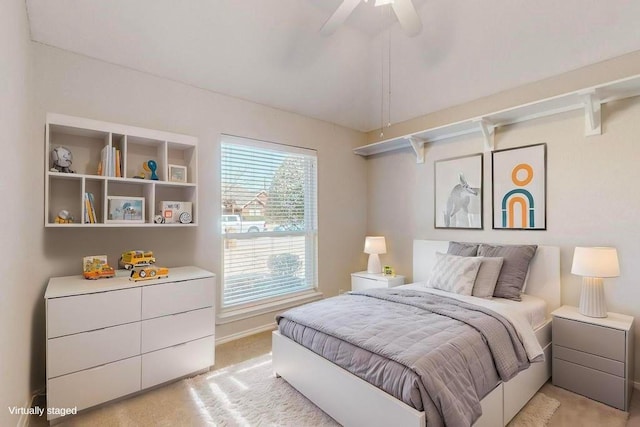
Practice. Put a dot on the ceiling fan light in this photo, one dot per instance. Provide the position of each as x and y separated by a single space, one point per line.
382 2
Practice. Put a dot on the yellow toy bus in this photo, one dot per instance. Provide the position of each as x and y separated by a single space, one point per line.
132 259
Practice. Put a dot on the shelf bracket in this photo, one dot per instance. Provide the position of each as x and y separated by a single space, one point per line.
592 116
418 146
488 132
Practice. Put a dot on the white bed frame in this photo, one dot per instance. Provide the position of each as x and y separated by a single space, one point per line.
354 402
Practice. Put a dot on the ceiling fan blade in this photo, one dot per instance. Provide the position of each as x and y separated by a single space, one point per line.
408 17
339 16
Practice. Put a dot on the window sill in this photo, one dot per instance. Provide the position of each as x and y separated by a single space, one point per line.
234 314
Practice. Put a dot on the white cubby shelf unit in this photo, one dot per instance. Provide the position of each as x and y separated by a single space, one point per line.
86 138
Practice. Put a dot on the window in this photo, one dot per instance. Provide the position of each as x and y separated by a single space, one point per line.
270 251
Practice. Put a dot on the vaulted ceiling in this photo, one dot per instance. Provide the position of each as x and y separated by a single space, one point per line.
270 51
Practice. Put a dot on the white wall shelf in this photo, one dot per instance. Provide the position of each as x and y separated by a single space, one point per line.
86 139
590 99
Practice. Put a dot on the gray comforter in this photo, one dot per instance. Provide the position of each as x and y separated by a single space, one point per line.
436 354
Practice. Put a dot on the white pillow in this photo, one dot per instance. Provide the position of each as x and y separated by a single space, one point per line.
487 277
454 273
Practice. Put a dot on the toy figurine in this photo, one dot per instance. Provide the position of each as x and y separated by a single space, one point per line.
151 166
62 159
64 217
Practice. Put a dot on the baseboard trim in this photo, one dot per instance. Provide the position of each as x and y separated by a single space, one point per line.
23 421
268 327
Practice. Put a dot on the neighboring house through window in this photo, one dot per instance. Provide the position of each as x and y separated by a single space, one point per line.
269 221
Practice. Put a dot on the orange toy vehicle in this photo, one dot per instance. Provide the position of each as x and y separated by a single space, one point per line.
147 273
100 272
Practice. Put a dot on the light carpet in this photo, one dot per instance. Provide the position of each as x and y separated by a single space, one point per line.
248 394
537 412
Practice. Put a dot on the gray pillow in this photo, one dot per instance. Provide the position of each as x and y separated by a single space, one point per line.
514 267
487 277
463 249
453 273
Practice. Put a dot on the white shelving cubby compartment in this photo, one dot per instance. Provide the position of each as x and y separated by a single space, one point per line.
86 139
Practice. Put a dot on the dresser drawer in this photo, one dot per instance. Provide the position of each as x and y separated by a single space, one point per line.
88 349
598 340
174 362
589 360
596 385
80 313
175 329
177 297
101 384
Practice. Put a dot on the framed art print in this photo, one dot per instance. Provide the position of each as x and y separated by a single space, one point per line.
458 192
519 178
125 210
177 173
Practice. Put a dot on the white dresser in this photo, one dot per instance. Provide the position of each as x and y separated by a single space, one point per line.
109 338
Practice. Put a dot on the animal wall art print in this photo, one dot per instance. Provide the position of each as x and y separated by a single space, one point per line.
458 192
519 187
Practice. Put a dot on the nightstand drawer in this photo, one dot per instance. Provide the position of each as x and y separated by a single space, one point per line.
589 360
362 284
594 384
598 340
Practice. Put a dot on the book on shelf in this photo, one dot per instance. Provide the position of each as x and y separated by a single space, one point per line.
113 161
92 203
118 163
86 209
89 211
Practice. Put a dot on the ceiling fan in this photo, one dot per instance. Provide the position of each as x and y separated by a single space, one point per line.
404 10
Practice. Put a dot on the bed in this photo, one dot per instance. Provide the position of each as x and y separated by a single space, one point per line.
353 401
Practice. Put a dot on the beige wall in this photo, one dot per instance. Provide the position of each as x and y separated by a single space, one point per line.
72 84
17 291
584 77
592 197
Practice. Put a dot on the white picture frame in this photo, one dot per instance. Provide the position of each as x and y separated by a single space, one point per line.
458 192
177 173
125 210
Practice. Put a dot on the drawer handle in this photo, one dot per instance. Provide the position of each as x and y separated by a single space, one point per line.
97 367
180 345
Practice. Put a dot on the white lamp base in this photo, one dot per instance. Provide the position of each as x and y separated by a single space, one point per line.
592 302
374 264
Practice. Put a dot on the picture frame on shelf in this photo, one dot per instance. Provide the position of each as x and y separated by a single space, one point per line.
519 188
177 173
125 210
458 192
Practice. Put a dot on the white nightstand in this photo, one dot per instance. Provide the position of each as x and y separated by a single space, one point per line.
594 356
363 280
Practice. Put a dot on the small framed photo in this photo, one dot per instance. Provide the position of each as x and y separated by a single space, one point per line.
129 210
177 173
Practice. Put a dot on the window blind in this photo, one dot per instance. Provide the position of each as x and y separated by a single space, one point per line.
269 220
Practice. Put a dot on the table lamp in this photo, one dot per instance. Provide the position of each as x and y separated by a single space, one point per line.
374 245
593 264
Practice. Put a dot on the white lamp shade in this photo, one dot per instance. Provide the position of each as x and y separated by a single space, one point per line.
595 262
375 245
